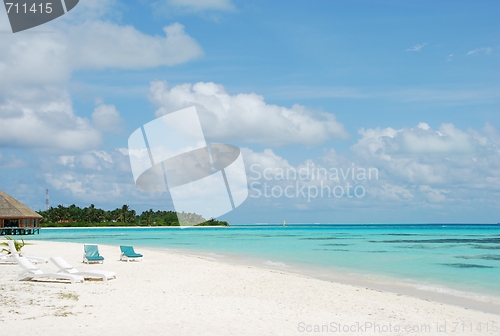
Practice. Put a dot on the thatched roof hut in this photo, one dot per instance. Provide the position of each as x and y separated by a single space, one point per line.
17 218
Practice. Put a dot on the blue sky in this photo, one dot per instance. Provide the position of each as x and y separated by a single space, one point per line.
409 88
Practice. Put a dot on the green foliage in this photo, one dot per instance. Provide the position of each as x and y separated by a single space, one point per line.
213 222
74 216
18 244
69 296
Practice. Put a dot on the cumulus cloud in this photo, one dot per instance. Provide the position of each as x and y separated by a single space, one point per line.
246 117
35 106
92 175
101 44
411 167
107 118
52 57
99 177
44 119
257 162
423 155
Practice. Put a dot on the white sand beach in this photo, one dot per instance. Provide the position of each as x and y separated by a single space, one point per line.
173 294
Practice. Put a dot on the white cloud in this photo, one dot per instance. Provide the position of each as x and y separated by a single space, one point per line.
417 47
436 176
93 176
67 160
423 126
35 106
246 116
416 167
103 155
267 159
434 195
447 140
421 155
44 119
486 50
33 59
106 45
99 177
107 118
420 140
52 57
391 192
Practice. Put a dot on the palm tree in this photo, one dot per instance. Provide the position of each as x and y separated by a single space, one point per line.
126 215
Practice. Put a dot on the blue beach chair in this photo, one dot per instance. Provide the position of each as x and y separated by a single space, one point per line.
129 254
92 254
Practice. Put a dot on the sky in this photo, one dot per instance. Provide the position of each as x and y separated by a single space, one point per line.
388 111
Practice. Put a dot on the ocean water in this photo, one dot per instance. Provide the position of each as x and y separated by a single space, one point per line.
456 259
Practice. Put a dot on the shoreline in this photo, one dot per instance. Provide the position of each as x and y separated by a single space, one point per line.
440 294
135 227
187 295
477 300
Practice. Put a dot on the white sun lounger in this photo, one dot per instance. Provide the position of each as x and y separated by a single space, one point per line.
11 258
8 258
31 272
66 268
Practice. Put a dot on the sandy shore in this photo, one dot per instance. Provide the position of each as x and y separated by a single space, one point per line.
172 294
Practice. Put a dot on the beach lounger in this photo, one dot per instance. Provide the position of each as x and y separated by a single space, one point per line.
11 258
3 256
31 272
129 254
64 267
92 254
8 258
3 252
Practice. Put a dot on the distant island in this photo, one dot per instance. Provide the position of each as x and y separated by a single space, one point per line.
74 216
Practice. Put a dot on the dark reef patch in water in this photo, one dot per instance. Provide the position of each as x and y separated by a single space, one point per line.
483 257
442 241
486 247
333 244
428 247
336 250
459 265
322 238
147 238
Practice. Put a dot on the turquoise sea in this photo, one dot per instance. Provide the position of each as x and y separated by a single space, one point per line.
456 259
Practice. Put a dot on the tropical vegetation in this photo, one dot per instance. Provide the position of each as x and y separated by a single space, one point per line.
74 216
18 244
